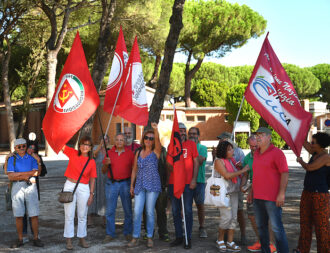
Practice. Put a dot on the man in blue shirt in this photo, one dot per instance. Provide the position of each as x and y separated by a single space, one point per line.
22 170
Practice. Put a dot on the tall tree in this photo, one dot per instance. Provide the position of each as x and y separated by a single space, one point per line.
10 13
214 28
167 64
322 72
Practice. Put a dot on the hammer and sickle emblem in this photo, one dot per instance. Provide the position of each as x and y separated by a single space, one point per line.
65 95
177 147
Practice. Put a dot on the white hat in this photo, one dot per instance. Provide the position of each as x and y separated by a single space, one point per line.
19 141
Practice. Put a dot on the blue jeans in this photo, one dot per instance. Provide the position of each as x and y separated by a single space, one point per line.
112 190
265 210
149 199
176 210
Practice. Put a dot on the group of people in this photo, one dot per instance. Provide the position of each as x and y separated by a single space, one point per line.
140 172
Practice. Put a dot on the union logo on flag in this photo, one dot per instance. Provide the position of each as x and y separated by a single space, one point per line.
70 94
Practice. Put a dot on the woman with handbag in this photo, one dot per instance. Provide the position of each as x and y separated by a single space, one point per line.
80 174
224 166
147 185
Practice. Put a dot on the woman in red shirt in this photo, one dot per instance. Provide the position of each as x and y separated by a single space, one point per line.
84 193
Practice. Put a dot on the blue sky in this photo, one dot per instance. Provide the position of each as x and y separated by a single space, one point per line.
299 32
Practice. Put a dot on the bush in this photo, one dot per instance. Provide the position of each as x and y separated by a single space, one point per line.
241 140
277 140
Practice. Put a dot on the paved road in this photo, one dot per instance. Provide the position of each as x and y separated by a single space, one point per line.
52 221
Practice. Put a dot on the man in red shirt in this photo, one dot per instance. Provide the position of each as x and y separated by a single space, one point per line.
190 155
118 165
270 178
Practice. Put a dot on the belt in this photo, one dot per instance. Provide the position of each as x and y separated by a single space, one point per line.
120 180
21 181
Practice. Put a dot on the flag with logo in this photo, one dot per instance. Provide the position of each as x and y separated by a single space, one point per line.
74 101
133 98
271 93
115 78
175 158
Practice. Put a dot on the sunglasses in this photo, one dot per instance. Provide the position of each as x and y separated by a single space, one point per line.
149 138
21 146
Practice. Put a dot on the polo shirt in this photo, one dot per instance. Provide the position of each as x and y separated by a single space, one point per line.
267 170
248 160
202 151
121 163
190 152
134 146
23 164
76 164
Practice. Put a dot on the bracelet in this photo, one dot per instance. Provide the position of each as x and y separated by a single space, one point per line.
93 193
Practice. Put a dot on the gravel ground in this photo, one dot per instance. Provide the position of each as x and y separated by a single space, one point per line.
51 220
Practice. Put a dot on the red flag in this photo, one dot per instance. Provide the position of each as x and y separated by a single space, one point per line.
74 101
271 93
133 98
115 78
175 158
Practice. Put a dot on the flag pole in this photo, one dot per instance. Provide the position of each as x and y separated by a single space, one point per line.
184 220
114 106
239 111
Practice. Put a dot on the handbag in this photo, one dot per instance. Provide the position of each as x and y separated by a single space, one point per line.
67 197
216 192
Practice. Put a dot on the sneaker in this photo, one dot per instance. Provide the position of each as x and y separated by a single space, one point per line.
17 244
202 233
272 248
231 246
37 243
164 238
176 242
255 247
108 238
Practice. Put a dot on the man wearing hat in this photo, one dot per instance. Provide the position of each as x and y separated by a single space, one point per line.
270 178
22 170
239 158
190 155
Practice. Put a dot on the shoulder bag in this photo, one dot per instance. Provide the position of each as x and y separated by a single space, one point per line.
67 197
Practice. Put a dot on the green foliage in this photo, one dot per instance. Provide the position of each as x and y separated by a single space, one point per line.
177 80
233 101
277 140
241 140
209 93
322 72
216 26
303 80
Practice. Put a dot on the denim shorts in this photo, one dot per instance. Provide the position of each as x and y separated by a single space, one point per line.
199 193
24 197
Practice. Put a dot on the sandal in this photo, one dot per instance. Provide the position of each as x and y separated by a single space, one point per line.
231 246
221 246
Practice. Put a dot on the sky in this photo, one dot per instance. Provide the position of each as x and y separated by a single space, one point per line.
299 32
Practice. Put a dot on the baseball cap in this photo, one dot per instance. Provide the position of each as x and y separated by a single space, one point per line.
19 141
181 125
264 130
224 135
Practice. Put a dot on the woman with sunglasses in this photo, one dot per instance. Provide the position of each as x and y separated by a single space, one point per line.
84 194
314 202
147 183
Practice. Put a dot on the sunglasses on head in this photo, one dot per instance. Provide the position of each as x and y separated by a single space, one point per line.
21 146
149 138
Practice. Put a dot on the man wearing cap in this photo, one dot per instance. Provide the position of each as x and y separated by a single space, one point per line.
270 178
22 169
239 158
199 192
190 155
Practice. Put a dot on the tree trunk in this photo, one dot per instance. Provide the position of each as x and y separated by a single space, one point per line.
166 69
36 67
102 56
188 76
4 80
153 80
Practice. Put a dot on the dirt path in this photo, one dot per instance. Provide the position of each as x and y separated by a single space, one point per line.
52 221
